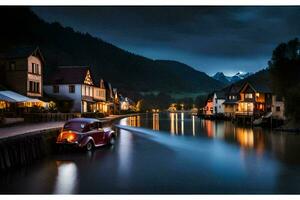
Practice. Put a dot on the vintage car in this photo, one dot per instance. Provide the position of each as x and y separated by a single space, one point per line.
86 133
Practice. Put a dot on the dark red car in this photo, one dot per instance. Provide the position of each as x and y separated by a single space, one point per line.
86 133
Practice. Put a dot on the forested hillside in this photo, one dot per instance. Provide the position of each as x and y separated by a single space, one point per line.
126 71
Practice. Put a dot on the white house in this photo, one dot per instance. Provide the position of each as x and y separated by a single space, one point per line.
75 83
214 103
218 100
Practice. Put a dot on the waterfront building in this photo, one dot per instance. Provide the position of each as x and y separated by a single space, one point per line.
21 70
218 100
100 98
116 101
76 84
124 103
109 95
254 100
231 100
209 107
214 103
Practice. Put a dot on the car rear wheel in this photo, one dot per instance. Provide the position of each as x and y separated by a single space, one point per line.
89 146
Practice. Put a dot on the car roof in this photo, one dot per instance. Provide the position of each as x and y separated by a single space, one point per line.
86 120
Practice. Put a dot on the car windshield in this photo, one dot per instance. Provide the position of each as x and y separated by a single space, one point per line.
75 126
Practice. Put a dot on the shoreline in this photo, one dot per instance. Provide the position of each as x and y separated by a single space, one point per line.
27 129
25 148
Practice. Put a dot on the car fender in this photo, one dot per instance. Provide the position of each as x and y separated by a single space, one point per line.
111 133
85 140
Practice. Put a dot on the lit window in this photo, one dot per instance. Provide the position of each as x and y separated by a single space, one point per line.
248 96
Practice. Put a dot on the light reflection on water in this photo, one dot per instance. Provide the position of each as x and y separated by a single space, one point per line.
171 153
155 121
125 142
257 138
66 179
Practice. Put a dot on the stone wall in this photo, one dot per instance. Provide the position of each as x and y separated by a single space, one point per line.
23 150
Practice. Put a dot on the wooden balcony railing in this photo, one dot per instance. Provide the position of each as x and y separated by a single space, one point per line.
247 113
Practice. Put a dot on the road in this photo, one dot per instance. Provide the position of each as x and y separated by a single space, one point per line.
25 128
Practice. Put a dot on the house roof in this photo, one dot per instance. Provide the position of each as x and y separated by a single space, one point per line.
233 89
263 88
24 52
68 75
220 94
97 81
209 97
107 85
231 101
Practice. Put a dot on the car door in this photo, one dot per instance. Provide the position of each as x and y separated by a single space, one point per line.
101 133
94 133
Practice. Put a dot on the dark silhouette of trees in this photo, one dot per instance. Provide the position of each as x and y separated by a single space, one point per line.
285 75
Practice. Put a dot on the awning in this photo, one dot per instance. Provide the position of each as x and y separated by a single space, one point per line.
13 97
5 98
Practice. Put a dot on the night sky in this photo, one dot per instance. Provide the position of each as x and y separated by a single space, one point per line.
210 39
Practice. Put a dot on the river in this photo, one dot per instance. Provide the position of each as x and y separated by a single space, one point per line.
170 153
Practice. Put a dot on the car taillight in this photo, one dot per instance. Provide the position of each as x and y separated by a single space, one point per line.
67 135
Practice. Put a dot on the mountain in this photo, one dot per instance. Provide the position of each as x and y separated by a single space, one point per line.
239 76
126 71
261 77
222 78
231 79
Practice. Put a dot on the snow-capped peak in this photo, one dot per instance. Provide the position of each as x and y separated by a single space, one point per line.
231 79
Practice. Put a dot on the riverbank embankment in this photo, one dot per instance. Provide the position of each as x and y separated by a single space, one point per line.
26 145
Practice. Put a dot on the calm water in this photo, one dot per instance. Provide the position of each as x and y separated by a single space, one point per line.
171 153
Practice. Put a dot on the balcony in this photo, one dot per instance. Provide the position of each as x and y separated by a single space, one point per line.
244 113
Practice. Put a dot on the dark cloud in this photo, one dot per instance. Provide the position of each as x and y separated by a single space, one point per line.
210 39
